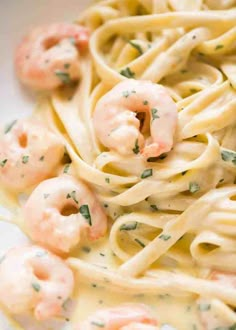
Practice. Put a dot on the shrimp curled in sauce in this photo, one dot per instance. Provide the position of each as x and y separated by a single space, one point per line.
29 153
33 279
49 56
124 317
59 210
117 114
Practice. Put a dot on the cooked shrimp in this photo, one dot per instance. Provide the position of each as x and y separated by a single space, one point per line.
49 56
225 278
29 153
59 210
33 279
124 317
117 114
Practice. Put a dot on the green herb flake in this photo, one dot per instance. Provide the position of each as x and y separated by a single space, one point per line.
219 47
107 180
221 180
147 173
154 112
128 226
194 187
136 147
41 159
204 307
3 162
9 126
98 324
66 65
139 242
126 94
66 168
154 208
36 287
73 196
183 71
84 211
127 73
145 102
165 237
228 156
232 327
25 159
136 46
72 41
63 76
86 249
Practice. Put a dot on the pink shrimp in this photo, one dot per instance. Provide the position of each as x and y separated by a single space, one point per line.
124 317
59 210
29 153
33 279
116 119
49 56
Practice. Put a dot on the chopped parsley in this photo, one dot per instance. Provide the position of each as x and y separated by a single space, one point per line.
145 102
72 40
126 94
9 126
84 211
36 287
66 168
66 65
136 147
98 324
63 76
86 249
154 112
139 242
194 187
219 47
127 73
107 180
3 162
129 226
154 208
165 237
228 156
41 159
25 159
146 173
204 307
73 196
136 46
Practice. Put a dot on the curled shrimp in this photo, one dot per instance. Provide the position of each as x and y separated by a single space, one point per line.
124 317
49 56
33 279
59 210
124 116
29 153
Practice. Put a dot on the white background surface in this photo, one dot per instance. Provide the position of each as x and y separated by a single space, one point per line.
16 18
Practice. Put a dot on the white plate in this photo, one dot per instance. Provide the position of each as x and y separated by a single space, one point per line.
16 18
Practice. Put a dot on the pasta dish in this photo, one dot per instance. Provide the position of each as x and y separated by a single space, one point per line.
123 178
